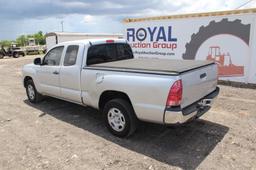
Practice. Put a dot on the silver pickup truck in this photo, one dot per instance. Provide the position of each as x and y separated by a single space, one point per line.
104 74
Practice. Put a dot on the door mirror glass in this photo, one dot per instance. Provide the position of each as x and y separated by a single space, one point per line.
37 61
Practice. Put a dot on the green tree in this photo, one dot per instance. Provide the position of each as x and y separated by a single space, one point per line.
22 40
5 43
40 38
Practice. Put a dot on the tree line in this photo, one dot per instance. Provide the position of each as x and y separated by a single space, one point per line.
22 40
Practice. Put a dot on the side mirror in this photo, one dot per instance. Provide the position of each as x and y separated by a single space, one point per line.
37 61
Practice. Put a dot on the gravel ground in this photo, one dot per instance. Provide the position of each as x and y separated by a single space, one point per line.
59 135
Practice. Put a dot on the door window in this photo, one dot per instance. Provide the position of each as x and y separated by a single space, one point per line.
71 55
53 57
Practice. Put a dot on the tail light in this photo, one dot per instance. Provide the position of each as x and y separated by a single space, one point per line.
175 94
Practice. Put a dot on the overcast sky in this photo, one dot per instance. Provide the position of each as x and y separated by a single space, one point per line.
19 17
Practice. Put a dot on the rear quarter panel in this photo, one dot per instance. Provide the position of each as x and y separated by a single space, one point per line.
147 92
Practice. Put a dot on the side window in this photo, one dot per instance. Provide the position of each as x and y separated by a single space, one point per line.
71 55
53 57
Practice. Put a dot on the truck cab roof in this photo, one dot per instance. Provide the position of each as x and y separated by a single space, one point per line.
81 34
93 41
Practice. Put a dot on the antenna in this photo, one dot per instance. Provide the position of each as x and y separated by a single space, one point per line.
247 2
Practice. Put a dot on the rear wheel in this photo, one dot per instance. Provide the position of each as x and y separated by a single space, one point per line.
32 94
120 118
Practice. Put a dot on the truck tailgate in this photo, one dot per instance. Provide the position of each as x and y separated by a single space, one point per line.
197 83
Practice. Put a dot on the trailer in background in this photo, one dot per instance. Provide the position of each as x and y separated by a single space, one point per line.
226 37
54 38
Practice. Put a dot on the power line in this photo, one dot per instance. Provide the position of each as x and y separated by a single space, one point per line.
247 2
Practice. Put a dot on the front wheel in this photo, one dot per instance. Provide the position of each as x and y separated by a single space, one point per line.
32 94
120 118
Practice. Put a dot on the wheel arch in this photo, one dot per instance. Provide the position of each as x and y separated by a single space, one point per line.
108 95
26 78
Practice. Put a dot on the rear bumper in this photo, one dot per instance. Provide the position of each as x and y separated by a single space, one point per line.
176 115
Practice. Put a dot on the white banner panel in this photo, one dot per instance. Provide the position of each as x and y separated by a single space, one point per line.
227 40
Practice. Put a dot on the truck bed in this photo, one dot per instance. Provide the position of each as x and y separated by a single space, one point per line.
155 65
199 78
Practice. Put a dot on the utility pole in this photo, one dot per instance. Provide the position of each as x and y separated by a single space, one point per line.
62 25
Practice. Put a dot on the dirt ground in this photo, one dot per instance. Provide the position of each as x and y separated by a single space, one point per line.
59 135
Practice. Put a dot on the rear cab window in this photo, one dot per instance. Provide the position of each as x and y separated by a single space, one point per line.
103 53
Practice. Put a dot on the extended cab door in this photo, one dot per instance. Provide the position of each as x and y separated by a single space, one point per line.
70 73
49 71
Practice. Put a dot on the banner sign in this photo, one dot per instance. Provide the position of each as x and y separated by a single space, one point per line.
227 40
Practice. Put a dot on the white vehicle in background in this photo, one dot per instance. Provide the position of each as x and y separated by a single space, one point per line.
54 38
104 74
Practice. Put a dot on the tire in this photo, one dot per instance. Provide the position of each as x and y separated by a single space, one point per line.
16 55
32 94
120 118
1 56
235 28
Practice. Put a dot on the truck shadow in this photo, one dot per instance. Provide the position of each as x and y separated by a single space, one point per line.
184 146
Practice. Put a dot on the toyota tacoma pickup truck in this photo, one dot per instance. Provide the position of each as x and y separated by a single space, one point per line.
104 74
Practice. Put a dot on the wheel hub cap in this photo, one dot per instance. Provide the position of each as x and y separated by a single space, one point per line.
31 92
116 119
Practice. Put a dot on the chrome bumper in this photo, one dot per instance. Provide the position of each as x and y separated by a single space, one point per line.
176 115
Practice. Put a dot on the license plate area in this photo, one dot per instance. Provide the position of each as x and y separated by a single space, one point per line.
205 102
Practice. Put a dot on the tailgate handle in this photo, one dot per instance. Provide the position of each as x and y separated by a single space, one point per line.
55 72
203 75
